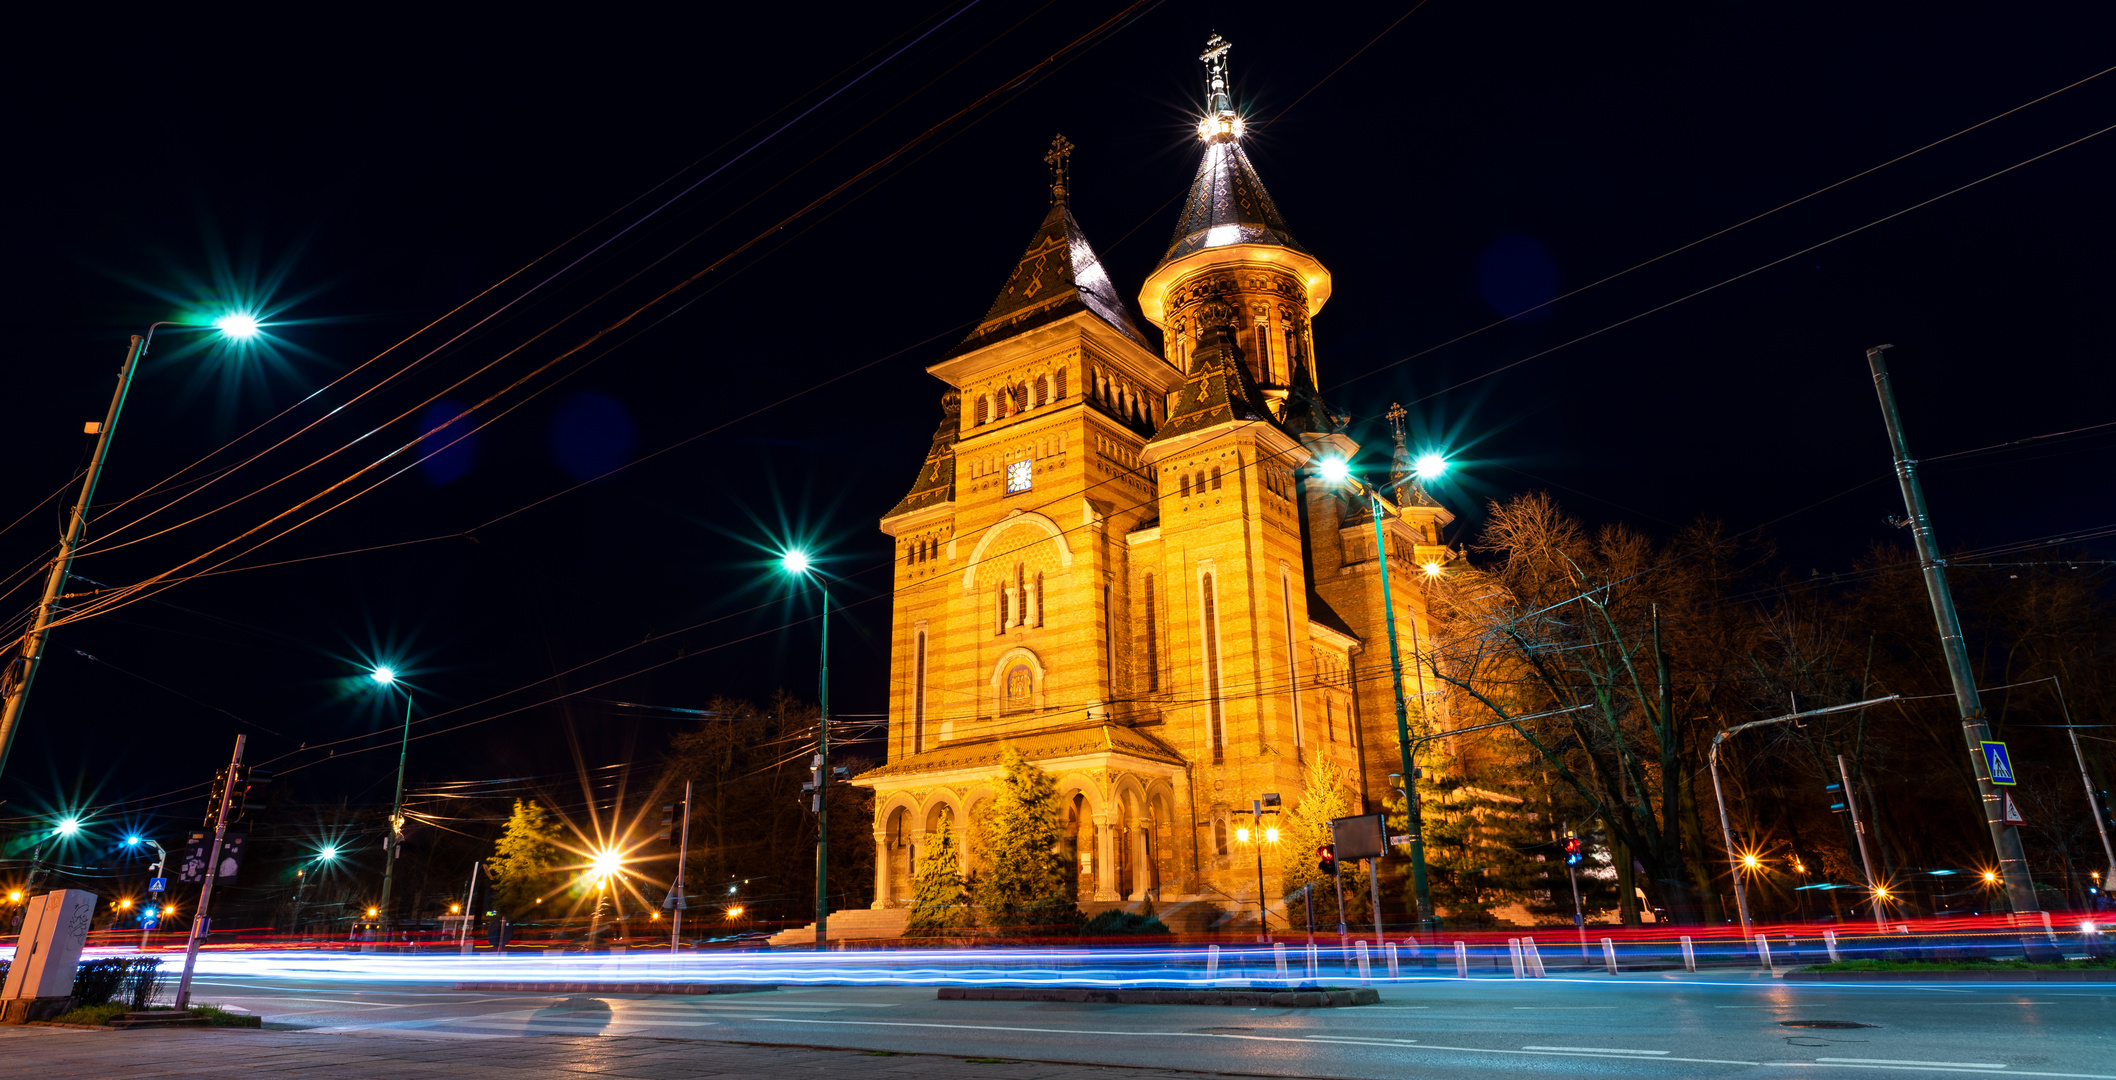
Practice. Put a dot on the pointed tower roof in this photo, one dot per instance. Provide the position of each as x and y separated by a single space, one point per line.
1058 275
1218 388
1228 207
936 478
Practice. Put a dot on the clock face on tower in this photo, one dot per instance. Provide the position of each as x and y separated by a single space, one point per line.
1018 476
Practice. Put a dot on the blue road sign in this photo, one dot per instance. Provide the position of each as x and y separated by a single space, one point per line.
2001 765
158 884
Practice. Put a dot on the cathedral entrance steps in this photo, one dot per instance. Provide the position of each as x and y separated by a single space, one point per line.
850 924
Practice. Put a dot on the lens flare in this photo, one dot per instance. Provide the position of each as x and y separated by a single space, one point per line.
795 562
237 325
1334 470
1431 466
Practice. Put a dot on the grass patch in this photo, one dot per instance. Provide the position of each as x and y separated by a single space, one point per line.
94 1014
2102 964
219 1017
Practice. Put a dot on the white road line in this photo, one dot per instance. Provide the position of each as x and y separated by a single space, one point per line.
1999 1071
1560 1008
1275 1038
1364 1042
1596 1050
1897 1061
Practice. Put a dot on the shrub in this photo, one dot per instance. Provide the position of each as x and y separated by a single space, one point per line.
1114 922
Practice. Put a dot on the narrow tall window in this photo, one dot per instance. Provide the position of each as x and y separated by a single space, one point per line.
1186 485
984 408
1215 478
1021 596
1001 594
1058 385
1109 644
1038 609
1042 392
1285 592
1215 720
918 700
1153 641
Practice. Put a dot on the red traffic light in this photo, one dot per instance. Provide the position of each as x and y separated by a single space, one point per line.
1326 858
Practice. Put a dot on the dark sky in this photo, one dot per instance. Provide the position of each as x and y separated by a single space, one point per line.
358 176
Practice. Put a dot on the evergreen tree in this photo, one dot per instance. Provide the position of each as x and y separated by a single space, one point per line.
1304 828
939 905
1023 883
524 865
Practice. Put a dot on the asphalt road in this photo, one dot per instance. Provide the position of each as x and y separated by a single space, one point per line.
1636 1025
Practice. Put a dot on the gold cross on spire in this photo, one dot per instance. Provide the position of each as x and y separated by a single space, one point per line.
1060 161
1396 415
1217 99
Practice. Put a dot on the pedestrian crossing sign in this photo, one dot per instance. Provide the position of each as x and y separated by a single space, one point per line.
2001 765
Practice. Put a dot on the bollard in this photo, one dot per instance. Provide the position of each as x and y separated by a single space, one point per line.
1513 951
1689 956
1365 973
1534 959
1461 960
1829 942
1314 962
1609 955
1763 950
1389 948
1212 962
1278 952
1792 949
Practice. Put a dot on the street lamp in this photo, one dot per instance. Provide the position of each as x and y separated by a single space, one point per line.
16 680
386 676
68 826
797 564
1336 470
1265 834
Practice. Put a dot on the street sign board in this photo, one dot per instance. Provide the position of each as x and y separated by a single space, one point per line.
2013 814
1359 837
2001 766
158 884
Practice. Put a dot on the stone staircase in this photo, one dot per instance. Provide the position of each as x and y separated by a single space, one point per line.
849 925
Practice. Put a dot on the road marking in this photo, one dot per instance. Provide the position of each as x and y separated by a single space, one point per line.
1596 1050
1998 1070
1273 1038
1363 1042
1568 1008
1895 1061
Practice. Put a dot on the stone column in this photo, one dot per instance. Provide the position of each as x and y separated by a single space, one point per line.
1142 871
1105 860
881 870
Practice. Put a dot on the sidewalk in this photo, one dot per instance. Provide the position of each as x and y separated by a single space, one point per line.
209 1054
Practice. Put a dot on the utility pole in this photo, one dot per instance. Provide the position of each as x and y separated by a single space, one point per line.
2005 838
470 895
21 671
396 819
2101 824
823 783
1851 803
683 853
205 890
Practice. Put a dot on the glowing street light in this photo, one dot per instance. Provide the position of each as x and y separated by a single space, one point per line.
1430 467
238 325
1334 470
327 854
133 840
797 563
68 826
14 698
386 676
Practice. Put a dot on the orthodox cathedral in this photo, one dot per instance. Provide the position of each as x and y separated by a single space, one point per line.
1124 562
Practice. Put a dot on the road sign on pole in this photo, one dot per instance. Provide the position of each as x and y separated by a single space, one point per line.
2013 814
159 884
2001 765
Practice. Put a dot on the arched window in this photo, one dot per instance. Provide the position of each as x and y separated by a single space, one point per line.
1039 599
1021 595
1043 391
1215 478
1186 485
1153 641
1285 581
984 409
1219 835
1215 717
1000 593
1058 385
918 698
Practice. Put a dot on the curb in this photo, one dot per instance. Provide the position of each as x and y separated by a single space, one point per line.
1951 976
1297 999
620 988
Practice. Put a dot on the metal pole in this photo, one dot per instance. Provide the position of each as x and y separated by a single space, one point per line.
22 670
823 784
683 853
470 895
205 891
2005 838
1403 723
161 860
1263 916
2086 781
1579 916
396 820
1851 804
1741 898
1374 894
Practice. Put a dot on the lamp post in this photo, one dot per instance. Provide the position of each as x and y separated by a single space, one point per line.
798 564
161 858
1264 835
21 671
1429 467
387 676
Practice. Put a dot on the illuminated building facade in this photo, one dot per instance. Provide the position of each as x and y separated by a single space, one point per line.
1119 559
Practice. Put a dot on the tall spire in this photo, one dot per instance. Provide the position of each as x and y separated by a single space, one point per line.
1227 204
1217 100
1400 465
1057 276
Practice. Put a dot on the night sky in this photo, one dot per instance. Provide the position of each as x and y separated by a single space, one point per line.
354 178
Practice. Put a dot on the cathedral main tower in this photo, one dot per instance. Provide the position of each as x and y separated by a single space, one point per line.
1117 561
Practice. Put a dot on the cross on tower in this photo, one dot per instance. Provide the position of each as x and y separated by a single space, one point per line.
1396 415
1059 159
1215 57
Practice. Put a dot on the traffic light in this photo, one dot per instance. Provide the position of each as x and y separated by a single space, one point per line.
213 797
1573 855
1842 805
248 779
1326 857
668 824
